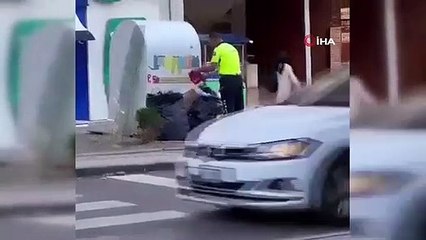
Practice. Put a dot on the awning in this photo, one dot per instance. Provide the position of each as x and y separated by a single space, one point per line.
81 32
229 38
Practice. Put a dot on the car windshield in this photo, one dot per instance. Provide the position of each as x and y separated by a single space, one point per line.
331 90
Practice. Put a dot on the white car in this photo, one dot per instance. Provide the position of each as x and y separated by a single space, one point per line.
388 178
291 156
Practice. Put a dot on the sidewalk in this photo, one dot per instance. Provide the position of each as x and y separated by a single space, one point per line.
97 144
106 154
259 96
127 163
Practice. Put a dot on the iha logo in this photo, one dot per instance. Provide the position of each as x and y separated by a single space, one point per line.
311 41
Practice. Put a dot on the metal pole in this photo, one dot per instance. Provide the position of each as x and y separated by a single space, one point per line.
392 52
170 10
205 54
308 57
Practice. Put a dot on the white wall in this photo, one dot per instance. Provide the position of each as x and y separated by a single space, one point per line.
97 16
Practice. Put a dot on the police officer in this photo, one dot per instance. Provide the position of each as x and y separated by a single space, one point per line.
226 60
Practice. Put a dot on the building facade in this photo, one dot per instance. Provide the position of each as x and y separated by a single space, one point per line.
275 26
388 46
283 26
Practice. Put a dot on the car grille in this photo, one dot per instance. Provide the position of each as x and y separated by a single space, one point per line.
222 186
220 153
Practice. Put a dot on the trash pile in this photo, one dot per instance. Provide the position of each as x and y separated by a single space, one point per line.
184 112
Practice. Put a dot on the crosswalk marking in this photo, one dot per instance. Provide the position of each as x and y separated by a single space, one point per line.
90 206
100 222
148 179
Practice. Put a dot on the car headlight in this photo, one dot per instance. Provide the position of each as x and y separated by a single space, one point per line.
282 150
364 184
289 149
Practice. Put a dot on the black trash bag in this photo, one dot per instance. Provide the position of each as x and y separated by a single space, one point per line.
160 99
171 107
177 126
205 108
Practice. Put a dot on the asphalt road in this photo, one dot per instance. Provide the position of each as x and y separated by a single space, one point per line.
39 226
137 207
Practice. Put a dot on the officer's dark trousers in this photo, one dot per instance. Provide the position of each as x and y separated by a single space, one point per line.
231 91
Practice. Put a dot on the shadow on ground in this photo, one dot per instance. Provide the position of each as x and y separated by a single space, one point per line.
273 218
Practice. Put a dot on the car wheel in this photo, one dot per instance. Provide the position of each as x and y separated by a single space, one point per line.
335 197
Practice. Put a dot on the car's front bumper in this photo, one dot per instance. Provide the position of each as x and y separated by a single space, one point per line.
250 199
245 184
372 216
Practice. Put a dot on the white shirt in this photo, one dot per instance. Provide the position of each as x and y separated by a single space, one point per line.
287 80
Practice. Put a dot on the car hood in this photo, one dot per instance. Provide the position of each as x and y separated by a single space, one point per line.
274 123
388 150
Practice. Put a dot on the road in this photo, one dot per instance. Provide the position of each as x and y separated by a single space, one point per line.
39 226
143 206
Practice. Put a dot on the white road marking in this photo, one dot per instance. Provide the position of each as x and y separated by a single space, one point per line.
90 206
148 179
100 222
362 238
67 220
321 236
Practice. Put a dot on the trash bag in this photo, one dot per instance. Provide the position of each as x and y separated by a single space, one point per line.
205 108
172 108
160 99
177 126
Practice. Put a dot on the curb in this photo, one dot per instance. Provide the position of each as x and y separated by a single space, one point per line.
130 152
124 169
323 236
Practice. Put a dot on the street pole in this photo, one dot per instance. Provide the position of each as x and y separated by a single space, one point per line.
392 52
308 57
